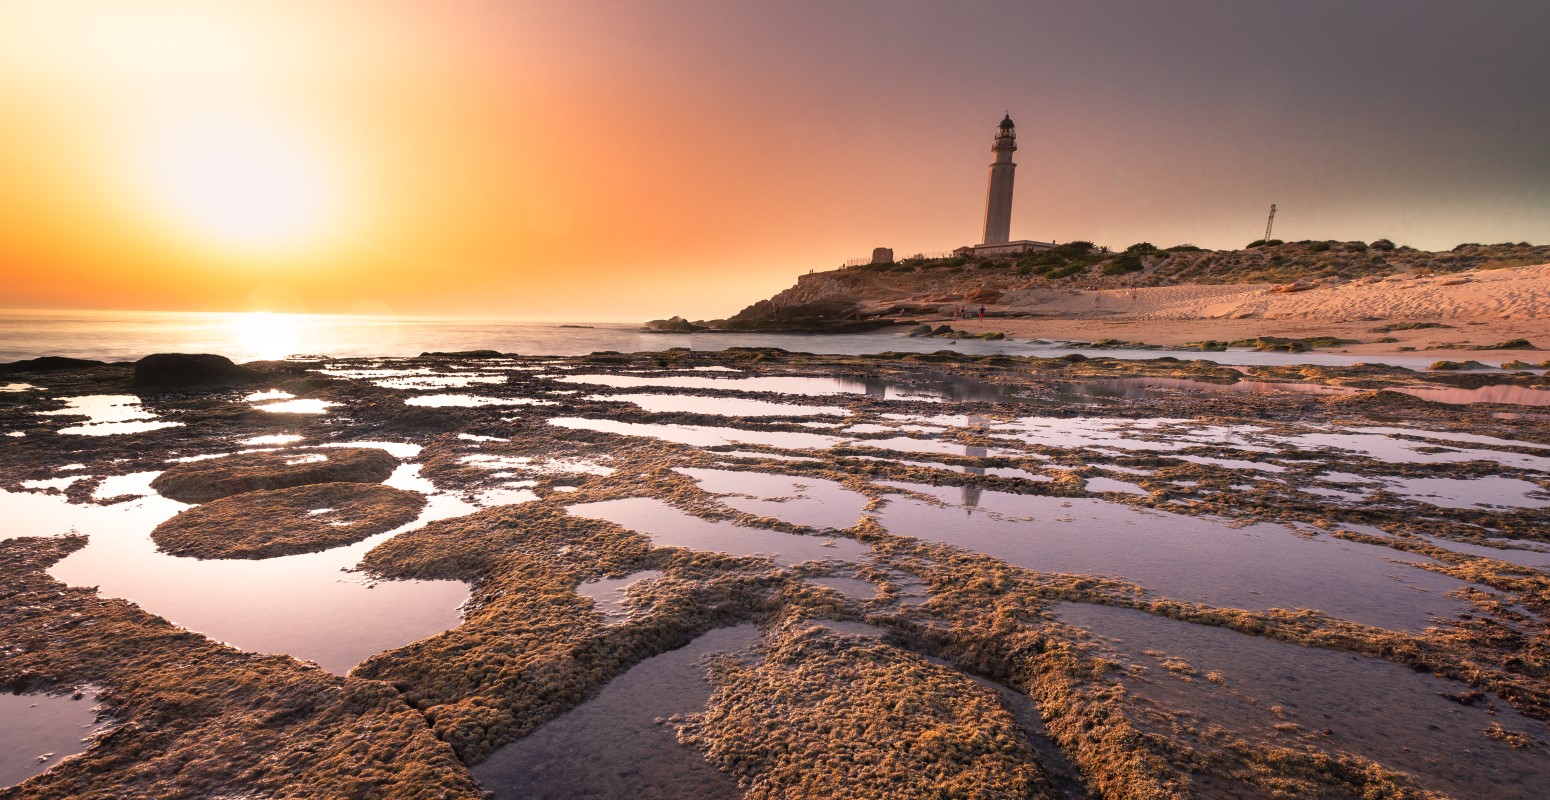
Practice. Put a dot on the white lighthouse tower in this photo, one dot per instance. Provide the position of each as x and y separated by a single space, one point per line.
998 200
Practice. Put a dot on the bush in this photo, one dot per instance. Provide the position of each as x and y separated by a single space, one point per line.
1126 263
1185 248
1254 244
1078 246
1318 247
1141 247
1066 271
1382 244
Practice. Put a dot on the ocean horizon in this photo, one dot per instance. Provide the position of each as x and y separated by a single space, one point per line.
258 336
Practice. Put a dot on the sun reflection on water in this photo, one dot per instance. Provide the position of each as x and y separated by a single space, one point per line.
267 335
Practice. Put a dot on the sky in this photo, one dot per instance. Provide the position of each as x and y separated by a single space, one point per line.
594 160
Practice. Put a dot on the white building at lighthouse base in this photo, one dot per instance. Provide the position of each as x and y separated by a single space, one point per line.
1017 248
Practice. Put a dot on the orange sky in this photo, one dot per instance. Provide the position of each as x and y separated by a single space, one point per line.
598 160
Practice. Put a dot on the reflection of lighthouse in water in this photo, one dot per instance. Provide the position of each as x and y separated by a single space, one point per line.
971 493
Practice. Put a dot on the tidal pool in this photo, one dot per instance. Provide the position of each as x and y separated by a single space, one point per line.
619 744
432 381
1511 552
814 502
854 588
1385 447
38 730
1146 388
721 406
669 527
1101 484
107 415
1376 709
471 401
610 596
416 377
303 406
934 387
1492 491
304 605
536 466
910 444
1195 559
701 435
267 394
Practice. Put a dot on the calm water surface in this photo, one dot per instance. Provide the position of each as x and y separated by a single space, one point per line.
129 335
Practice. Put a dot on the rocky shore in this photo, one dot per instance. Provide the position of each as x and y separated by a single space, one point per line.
1372 298
957 669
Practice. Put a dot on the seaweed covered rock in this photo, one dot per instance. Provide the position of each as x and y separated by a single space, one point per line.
836 716
189 371
531 648
203 481
279 522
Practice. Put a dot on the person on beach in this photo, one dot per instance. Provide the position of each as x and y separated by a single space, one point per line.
982 312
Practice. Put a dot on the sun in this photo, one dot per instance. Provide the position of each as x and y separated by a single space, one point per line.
246 185
265 335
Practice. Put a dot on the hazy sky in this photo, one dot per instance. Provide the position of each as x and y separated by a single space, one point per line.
593 160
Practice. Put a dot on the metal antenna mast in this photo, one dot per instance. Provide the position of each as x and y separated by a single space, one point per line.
1270 222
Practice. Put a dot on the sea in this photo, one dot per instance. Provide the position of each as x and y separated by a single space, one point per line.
253 336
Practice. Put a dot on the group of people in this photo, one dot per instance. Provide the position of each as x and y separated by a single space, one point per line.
963 312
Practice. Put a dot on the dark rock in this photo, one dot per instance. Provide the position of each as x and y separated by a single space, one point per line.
672 325
470 353
48 364
817 316
189 371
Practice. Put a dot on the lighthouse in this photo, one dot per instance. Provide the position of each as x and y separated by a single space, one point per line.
998 241
998 200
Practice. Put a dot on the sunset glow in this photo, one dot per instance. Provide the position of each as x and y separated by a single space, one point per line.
629 161
267 335
241 186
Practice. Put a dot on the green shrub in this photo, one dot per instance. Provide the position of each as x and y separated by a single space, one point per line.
1382 244
1254 244
1141 247
1185 248
1318 247
1123 264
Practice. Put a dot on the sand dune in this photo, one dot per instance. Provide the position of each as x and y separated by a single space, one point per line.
1482 306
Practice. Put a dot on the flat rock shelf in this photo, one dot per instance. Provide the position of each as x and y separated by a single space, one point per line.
764 574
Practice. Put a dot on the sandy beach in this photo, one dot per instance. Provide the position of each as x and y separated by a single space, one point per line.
1481 307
